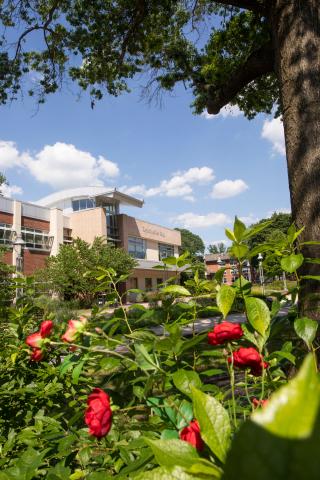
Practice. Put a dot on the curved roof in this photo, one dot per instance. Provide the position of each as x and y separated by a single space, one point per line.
63 198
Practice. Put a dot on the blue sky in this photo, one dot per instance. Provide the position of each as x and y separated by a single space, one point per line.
185 167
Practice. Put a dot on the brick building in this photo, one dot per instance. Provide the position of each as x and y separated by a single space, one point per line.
215 261
86 213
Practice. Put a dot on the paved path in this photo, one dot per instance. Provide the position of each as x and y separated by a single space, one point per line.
204 324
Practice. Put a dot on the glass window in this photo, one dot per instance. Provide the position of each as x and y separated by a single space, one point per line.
137 247
36 238
82 204
165 251
148 283
5 233
159 282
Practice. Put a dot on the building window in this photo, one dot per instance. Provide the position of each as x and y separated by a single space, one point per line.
148 284
159 282
112 222
67 235
137 247
5 233
83 204
134 282
34 238
165 251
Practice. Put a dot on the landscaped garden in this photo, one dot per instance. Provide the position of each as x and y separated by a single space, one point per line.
106 397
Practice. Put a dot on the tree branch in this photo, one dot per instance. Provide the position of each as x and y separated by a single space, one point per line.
259 63
253 5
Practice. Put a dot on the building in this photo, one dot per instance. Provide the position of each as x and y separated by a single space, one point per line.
215 261
86 213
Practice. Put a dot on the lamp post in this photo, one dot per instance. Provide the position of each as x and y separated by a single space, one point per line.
248 270
18 245
261 275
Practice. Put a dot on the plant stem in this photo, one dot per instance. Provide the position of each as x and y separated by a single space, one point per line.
246 388
231 373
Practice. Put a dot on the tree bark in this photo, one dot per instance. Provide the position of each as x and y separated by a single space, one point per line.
296 37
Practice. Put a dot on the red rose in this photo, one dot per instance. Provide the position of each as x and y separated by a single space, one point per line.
98 415
37 355
75 327
191 434
259 403
35 340
46 328
225 332
249 358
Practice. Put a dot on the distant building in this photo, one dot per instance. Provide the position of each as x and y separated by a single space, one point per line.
86 213
215 261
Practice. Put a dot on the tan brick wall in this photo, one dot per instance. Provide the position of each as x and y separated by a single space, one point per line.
88 224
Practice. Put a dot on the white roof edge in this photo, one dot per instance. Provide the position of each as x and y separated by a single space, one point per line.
90 191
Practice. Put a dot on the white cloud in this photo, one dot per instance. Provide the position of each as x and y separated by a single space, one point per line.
226 111
249 219
10 190
60 165
178 185
192 220
272 131
228 188
10 156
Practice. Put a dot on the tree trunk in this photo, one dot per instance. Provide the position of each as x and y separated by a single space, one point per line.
296 35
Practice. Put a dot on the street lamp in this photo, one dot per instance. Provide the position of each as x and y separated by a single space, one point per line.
18 244
248 270
261 275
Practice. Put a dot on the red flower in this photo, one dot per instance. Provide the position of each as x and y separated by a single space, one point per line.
191 434
75 327
259 403
37 355
225 332
34 340
249 358
98 415
46 328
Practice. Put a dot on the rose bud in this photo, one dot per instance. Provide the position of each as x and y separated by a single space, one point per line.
191 434
225 332
98 415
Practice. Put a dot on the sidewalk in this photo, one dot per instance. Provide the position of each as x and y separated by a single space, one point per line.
205 324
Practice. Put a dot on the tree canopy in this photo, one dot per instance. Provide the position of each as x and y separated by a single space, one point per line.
103 44
65 272
219 247
192 243
261 55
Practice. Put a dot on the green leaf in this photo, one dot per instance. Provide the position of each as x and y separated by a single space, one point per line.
77 372
258 314
306 328
281 441
184 379
170 261
144 359
292 262
230 234
214 423
252 231
175 473
239 251
239 229
225 299
292 410
176 290
169 453
218 276
311 277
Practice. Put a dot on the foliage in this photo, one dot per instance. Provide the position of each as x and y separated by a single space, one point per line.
159 384
3 181
65 272
192 243
6 271
218 248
